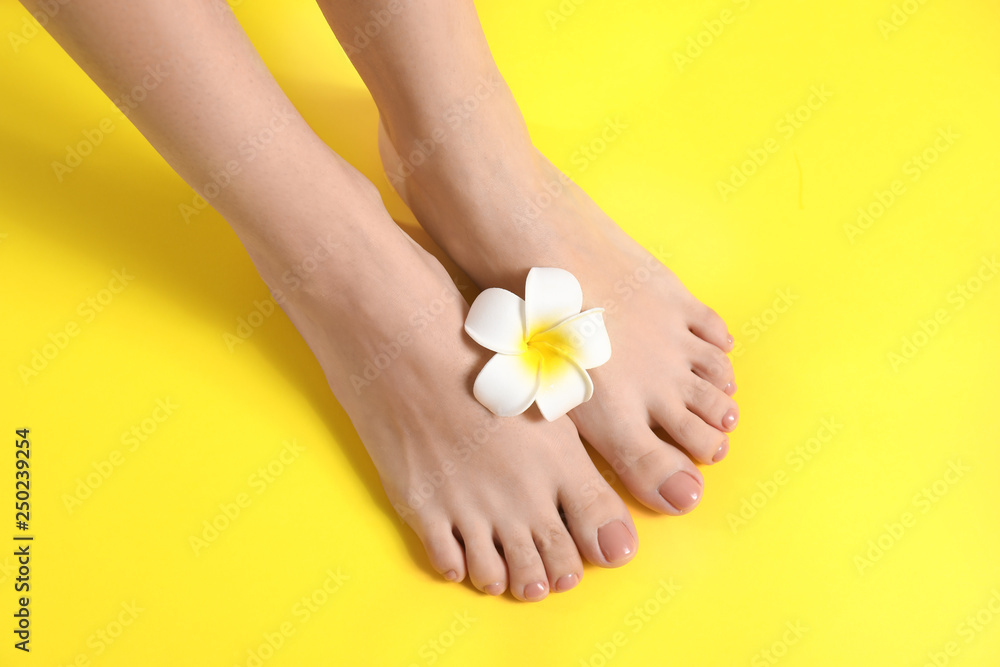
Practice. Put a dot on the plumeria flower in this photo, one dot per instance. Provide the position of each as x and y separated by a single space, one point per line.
543 343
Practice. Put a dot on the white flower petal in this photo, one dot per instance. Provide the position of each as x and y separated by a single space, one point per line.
583 338
550 296
507 385
496 321
564 385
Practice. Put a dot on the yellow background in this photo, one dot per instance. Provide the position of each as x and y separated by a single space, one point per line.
826 357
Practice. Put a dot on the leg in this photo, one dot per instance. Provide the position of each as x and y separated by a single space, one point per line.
472 181
417 419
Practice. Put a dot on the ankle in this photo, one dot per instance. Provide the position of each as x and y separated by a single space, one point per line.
475 131
331 233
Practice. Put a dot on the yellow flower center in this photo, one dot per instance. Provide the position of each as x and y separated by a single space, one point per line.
551 349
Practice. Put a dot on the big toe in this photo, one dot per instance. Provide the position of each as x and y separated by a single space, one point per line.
657 473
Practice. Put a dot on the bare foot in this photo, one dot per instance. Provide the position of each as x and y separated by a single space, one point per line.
486 495
498 207
382 317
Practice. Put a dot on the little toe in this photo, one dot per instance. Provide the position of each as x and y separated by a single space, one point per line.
559 555
443 549
599 522
487 571
707 325
525 569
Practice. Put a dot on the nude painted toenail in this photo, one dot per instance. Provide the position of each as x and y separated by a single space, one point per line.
730 388
681 490
616 542
451 575
723 450
729 339
535 591
495 588
566 582
729 421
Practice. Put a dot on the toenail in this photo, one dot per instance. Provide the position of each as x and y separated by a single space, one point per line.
616 541
723 450
566 582
535 591
451 575
681 490
730 388
495 588
729 339
729 421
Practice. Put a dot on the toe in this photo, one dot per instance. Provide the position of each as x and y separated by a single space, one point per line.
690 432
715 407
525 570
647 466
487 571
711 364
707 325
599 522
559 555
682 490
443 548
